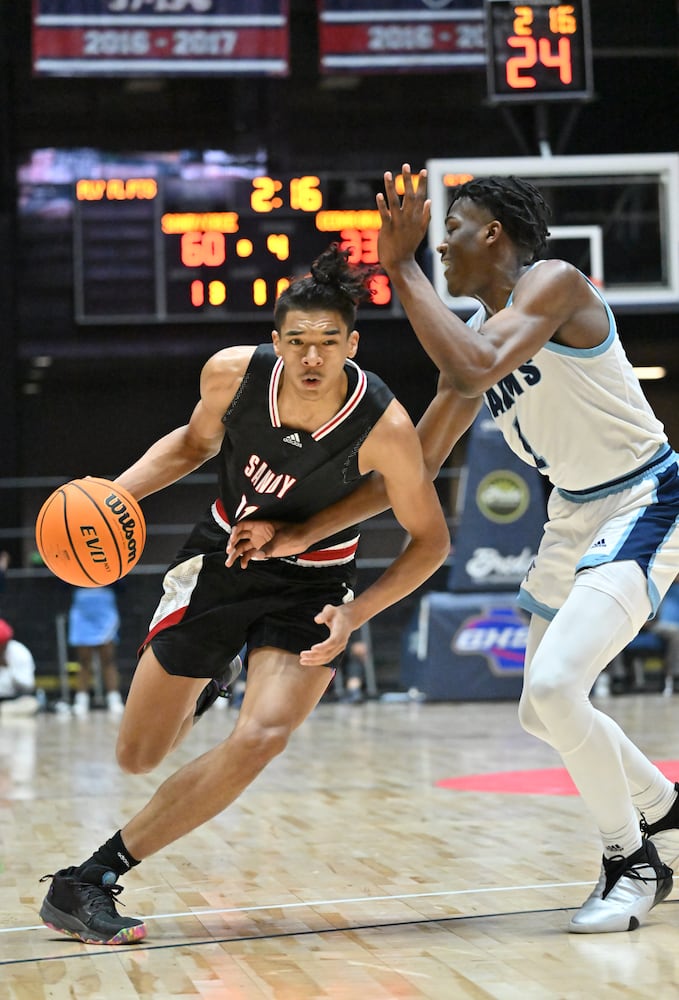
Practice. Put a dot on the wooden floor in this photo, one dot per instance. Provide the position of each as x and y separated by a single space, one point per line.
345 872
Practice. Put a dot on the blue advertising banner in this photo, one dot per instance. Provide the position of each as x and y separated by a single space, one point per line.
503 510
465 647
160 37
400 36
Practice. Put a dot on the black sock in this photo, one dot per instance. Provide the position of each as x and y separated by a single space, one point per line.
112 856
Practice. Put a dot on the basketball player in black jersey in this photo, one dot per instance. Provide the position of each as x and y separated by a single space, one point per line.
297 425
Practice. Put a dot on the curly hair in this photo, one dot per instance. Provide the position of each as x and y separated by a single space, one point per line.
517 204
333 283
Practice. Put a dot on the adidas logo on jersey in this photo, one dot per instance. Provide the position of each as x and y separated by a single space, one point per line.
600 544
293 439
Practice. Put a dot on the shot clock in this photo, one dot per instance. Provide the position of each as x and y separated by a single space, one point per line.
192 244
538 51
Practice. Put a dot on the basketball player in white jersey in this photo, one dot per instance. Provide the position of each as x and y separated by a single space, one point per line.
542 351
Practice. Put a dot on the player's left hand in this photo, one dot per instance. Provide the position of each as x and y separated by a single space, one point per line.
339 620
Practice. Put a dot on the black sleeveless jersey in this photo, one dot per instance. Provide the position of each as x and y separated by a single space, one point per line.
269 471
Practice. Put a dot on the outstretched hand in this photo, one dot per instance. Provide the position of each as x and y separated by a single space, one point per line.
404 221
339 621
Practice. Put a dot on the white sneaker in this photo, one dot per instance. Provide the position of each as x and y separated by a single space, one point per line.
114 703
627 889
81 703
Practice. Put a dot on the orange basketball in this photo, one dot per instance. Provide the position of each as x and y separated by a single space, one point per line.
90 532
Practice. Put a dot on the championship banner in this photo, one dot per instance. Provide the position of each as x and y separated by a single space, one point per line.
400 36
160 37
503 510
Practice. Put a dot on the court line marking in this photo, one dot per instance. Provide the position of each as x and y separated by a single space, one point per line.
329 902
138 946
369 899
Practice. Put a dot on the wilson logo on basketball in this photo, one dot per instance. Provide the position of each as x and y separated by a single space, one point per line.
127 523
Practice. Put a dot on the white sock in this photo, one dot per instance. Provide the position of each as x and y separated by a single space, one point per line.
625 841
656 800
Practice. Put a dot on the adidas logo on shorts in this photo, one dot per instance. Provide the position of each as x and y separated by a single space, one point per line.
293 439
599 544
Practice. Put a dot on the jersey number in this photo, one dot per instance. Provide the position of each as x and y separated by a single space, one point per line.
540 463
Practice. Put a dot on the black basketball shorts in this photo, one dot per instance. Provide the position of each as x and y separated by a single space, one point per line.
208 612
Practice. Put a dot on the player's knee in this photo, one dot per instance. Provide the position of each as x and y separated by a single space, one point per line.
261 741
547 696
137 758
528 717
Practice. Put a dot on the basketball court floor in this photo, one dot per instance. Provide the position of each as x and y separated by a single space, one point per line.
395 851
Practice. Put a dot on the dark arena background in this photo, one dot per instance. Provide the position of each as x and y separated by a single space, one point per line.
166 166
107 320
110 310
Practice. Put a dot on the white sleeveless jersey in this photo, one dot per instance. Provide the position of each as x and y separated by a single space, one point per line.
578 415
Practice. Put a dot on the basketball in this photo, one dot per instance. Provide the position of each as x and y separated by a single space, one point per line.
90 532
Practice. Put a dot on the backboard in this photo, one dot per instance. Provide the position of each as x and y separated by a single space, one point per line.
614 217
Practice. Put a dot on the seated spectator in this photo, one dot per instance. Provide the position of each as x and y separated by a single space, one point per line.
17 675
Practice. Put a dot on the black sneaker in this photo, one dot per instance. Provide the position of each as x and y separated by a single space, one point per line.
665 832
86 911
219 687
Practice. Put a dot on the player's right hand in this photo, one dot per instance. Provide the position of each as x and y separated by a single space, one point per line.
252 539
247 540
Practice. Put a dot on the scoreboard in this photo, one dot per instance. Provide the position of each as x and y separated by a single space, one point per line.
153 249
538 51
183 237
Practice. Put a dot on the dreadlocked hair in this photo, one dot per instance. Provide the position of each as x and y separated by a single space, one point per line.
517 204
333 283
